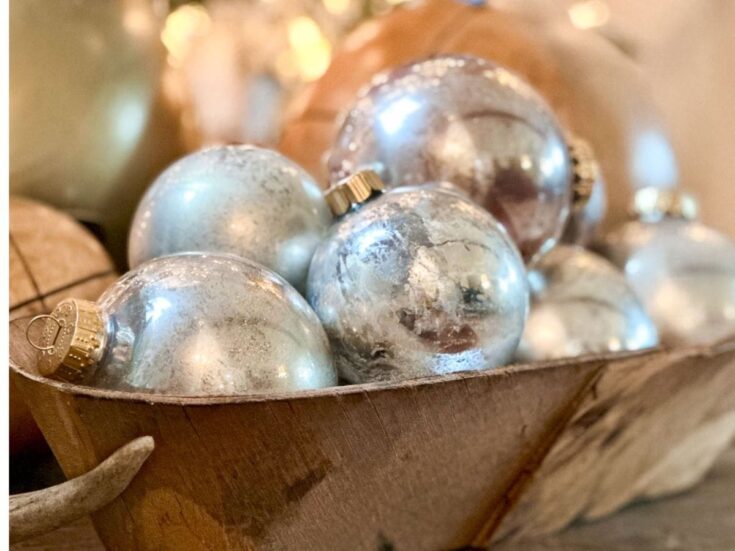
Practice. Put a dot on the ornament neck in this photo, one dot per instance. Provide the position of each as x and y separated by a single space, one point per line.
352 191
653 204
585 171
72 339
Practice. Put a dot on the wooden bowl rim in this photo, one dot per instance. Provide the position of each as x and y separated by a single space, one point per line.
362 388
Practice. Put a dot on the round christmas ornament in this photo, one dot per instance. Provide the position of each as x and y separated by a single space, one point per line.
682 271
51 257
242 200
464 120
581 304
189 324
595 90
589 202
90 122
415 281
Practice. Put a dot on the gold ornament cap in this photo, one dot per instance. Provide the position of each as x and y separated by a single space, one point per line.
653 204
585 170
353 190
71 339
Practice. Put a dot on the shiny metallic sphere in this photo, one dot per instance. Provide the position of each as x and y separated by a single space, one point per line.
467 121
242 200
581 304
683 272
209 324
418 281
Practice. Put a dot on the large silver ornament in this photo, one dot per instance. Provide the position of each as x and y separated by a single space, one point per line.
418 281
684 273
242 200
466 121
581 304
196 324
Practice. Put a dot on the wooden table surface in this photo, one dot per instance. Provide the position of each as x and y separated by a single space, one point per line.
702 519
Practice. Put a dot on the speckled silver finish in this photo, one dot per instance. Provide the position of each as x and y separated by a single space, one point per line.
464 120
201 324
242 200
418 281
581 304
583 222
684 273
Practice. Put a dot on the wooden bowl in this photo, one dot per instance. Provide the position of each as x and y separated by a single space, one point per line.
434 463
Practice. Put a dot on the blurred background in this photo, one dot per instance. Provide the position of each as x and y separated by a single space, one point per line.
105 93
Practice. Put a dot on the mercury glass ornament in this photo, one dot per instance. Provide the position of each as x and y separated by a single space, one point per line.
683 271
467 121
415 281
190 324
242 200
581 304
594 88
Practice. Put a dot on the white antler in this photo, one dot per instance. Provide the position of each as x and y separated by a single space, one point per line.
39 512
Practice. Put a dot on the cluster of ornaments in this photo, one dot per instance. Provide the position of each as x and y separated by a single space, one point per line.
449 240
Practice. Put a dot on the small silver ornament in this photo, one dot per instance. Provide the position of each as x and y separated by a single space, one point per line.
683 271
581 304
190 324
242 200
415 281
589 200
464 120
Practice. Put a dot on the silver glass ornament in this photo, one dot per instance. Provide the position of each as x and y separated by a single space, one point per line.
192 324
417 281
581 304
242 200
467 121
684 273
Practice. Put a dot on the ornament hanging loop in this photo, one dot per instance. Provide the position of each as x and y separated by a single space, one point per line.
59 324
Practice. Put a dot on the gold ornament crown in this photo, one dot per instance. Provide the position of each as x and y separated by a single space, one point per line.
653 204
585 170
353 190
71 339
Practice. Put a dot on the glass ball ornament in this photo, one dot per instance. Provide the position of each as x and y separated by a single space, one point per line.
467 121
581 304
190 324
415 281
596 91
242 200
682 270
90 119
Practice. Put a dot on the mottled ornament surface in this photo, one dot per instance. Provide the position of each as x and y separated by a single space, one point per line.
241 200
201 324
684 273
581 304
466 121
418 281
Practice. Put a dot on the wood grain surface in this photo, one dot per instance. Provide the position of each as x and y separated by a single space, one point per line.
702 519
